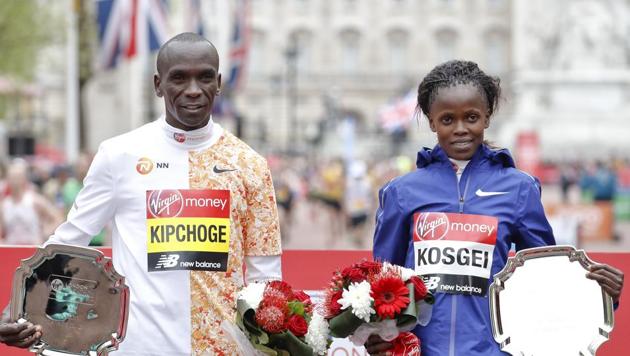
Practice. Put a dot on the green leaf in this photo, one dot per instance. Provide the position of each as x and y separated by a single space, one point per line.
263 338
344 324
248 316
296 307
409 316
291 344
266 350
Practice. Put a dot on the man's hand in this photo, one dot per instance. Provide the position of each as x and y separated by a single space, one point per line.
610 278
19 335
376 346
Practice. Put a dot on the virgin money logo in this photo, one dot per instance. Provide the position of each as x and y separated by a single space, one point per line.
165 203
431 226
144 166
179 137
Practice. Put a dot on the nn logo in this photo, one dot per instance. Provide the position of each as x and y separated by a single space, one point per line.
145 165
167 261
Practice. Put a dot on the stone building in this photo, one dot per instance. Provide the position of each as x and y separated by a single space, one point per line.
314 63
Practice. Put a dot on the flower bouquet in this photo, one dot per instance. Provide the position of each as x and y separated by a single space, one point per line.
272 319
373 297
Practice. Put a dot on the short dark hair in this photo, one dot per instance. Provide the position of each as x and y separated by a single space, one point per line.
189 37
456 72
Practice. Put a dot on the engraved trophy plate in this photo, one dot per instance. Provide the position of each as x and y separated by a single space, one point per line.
541 303
77 297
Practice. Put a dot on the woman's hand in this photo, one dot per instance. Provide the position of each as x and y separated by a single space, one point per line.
19 335
376 346
610 278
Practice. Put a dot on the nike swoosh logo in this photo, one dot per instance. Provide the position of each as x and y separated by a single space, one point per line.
481 193
219 170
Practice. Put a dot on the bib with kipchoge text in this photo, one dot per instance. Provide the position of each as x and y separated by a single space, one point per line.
188 229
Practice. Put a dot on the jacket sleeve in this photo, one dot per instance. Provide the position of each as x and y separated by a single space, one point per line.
391 235
532 227
261 227
93 207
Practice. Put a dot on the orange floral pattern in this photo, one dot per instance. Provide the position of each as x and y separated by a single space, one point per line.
231 164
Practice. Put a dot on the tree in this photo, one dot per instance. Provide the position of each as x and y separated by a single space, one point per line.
22 33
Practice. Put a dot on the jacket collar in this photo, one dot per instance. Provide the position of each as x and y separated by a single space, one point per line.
502 156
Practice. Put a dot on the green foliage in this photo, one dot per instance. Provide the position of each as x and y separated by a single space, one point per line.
25 26
296 307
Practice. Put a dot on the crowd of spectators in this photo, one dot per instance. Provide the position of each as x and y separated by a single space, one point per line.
334 196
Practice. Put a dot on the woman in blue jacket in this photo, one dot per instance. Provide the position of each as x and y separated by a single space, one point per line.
455 218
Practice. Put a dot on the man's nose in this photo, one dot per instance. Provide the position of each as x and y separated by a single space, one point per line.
193 89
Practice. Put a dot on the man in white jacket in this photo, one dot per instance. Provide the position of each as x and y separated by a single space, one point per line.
190 205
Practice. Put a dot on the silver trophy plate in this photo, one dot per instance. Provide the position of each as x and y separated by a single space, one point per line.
76 296
541 303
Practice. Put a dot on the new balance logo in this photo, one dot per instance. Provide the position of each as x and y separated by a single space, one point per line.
167 261
481 193
431 282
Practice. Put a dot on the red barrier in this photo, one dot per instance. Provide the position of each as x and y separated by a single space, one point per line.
311 270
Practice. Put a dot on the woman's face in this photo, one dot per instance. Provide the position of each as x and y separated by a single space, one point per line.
458 116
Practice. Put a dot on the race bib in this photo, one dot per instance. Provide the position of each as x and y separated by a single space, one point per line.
453 252
188 229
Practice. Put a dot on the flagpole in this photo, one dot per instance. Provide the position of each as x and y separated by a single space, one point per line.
72 83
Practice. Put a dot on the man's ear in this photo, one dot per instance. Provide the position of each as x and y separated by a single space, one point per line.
156 85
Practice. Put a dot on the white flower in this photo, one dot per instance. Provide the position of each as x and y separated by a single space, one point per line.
358 297
406 273
317 335
252 294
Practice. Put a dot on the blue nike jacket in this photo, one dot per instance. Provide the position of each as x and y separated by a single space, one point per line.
493 206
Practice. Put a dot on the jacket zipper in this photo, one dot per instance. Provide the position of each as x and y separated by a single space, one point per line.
461 198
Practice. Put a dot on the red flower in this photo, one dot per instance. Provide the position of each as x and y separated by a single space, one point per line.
281 286
332 305
370 267
276 300
406 344
419 289
305 299
271 319
390 295
354 274
297 325
302 297
337 280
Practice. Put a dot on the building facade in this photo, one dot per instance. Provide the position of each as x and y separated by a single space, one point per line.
313 64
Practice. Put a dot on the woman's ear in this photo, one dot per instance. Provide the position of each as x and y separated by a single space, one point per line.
431 124
486 122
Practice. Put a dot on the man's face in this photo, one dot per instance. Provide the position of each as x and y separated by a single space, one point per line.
188 80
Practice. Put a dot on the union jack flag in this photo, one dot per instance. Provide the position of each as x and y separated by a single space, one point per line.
239 44
397 114
129 27
192 17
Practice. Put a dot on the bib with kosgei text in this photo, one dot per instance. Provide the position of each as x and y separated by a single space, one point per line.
188 229
453 252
